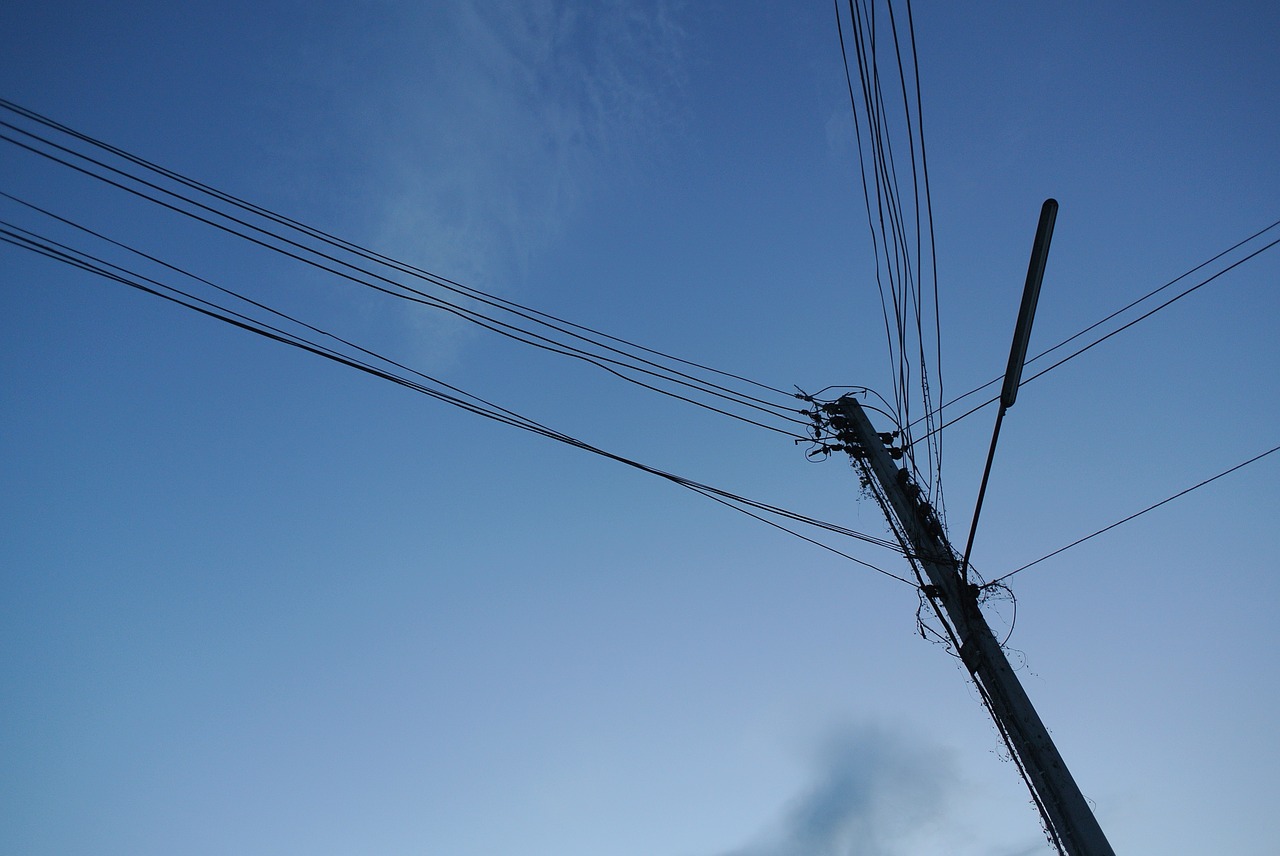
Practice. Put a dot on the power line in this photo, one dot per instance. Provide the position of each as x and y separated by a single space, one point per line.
274 332
355 248
940 505
934 446
896 225
1114 314
414 295
292 249
1079 541
25 239
866 196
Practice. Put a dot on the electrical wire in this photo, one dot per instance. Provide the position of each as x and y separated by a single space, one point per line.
290 254
645 366
1099 341
1133 516
866 196
414 296
25 239
350 246
1113 315
939 500
897 224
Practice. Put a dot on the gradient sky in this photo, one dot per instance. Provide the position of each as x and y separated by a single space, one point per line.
257 603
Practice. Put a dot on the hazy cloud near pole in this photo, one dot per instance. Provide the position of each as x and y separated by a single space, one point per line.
876 791
873 793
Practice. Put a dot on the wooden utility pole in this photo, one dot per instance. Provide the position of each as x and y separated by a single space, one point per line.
1068 819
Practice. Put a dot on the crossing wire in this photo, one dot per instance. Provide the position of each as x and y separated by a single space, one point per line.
1118 330
1115 314
355 248
26 239
645 366
415 296
1133 516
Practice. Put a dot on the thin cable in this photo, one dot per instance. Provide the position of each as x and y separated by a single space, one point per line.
1119 311
940 505
415 296
1120 329
816 543
896 227
89 264
934 446
371 255
887 198
866 191
1132 516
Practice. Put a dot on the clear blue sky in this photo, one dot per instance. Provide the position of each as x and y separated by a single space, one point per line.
258 603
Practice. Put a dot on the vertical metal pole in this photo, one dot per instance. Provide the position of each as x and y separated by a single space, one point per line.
1017 353
982 494
1067 815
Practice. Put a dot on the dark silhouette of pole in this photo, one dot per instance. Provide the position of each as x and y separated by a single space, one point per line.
1067 817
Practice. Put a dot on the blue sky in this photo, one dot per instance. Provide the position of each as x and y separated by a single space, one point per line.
255 602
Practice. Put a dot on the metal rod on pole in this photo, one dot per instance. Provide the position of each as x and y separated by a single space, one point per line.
1017 353
982 492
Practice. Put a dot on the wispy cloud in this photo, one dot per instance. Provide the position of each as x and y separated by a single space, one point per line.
489 124
517 110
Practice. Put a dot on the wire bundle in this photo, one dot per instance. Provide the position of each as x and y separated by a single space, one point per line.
736 397
723 392
733 396
900 217
901 229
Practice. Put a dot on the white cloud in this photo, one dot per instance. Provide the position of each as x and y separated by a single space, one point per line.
491 122
517 110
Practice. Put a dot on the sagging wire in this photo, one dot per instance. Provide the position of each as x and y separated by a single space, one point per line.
299 250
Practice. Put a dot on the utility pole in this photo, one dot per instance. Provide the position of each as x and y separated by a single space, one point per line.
1068 819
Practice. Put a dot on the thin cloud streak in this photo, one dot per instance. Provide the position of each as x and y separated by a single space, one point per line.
514 112
520 110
